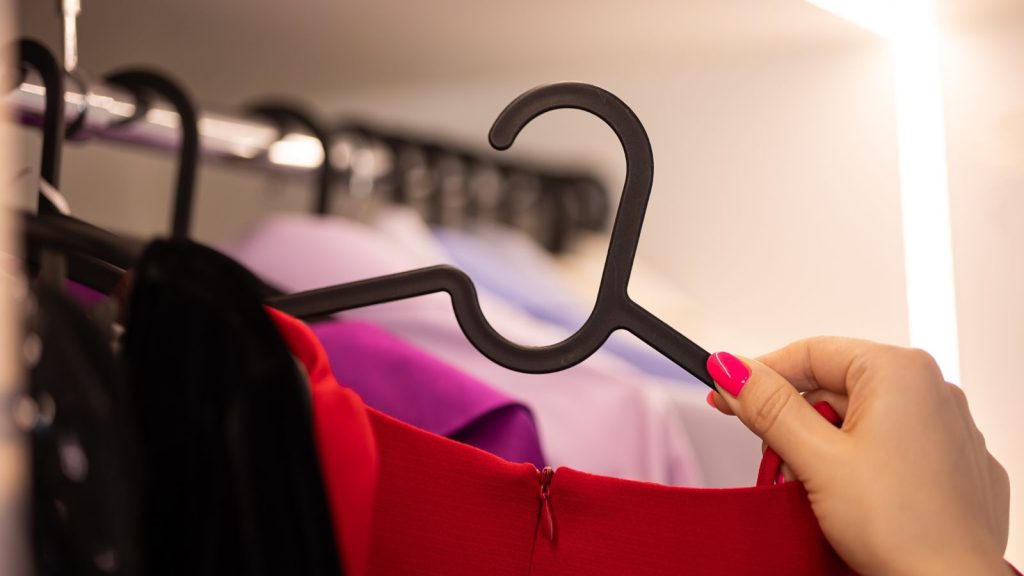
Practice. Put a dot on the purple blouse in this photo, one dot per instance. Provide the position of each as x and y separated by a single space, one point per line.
402 381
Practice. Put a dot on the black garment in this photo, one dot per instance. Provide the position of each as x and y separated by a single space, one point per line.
233 482
84 470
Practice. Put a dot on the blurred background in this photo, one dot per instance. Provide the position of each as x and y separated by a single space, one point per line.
848 168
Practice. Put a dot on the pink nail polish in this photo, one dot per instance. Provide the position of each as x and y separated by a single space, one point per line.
711 399
729 372
780 479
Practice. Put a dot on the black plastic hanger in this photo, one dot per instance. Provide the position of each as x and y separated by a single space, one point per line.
52 265
478 197
77 237
614 309
97 258
386 185
51 229
596 203
578 202
39 57
557 201
587 201
448 177
141 82
285 115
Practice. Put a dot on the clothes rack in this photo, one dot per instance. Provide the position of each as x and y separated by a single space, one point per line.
97 109
109 112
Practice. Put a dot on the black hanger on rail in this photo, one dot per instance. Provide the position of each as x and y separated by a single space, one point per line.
74 236
141 82
75 376
97 258
286 115
598 204
614 309
52 264
37 56
578 203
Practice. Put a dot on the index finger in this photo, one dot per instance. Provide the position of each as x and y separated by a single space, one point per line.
831 363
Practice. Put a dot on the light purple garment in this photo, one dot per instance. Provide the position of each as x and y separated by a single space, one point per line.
601 416
406 383
488 253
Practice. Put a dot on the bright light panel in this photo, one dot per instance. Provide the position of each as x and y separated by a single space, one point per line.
910 27
296 150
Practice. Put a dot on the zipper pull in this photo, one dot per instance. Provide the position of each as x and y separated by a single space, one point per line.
547 519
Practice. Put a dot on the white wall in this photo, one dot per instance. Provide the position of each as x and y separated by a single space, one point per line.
984 90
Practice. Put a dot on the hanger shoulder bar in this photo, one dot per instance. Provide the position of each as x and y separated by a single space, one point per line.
71 235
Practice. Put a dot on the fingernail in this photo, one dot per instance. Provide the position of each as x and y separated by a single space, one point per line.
729 372
780 479
711 399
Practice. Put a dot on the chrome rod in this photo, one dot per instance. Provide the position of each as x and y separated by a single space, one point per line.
109 113
99 110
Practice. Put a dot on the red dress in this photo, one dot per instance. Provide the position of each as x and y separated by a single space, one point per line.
407 502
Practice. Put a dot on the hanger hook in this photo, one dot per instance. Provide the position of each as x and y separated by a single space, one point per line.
613 310
636 190
285 114
141 81
45 63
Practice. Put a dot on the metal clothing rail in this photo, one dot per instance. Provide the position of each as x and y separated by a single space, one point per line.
104 111
107 112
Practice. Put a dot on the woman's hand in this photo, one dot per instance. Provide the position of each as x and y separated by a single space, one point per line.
906 486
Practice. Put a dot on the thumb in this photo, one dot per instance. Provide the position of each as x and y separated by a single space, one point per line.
773 409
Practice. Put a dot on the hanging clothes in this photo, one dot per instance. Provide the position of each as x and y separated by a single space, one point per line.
230 459
404 381
598 416
350 468
409 384
448 509
85 485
